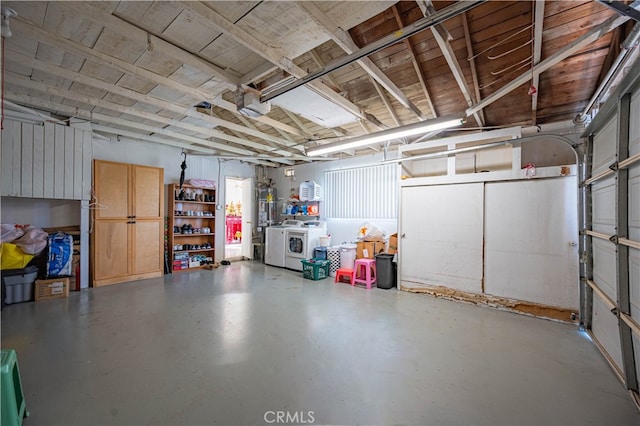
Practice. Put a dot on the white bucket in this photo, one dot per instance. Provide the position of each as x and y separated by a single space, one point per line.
325 241
347 255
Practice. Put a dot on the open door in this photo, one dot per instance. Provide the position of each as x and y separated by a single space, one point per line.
248 201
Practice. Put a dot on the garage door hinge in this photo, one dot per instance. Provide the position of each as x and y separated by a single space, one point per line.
614 239
614 166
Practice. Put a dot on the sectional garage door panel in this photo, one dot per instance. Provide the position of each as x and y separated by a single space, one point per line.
444 240
634 281
604 147
605 331
537 262
634 235
634 203
603 195
604 267
634 127
612 309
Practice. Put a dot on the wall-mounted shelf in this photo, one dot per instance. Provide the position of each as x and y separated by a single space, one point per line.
302 209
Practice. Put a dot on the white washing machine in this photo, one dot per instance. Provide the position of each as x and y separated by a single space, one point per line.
275 242
300 243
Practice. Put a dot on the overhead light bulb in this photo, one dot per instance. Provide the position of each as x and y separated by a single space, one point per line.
7 13
386 135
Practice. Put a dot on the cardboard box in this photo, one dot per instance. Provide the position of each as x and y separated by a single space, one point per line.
368 249
53 288
393 244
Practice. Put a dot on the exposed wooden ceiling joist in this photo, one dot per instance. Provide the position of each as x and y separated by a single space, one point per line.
272 54
142 67
344 40
450 56
552 60
538 22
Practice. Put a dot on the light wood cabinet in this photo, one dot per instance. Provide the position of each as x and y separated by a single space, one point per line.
128 226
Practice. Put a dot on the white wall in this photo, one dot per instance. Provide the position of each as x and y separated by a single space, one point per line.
40 212
32 206
170 158
341 230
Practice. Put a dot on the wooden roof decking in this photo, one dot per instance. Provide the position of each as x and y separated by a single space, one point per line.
140 68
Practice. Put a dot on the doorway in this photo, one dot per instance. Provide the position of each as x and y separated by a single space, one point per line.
238 226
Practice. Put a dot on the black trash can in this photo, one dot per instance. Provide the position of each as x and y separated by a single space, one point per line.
386 271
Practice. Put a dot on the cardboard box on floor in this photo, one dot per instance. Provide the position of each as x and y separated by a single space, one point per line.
53 288
368 249
393 244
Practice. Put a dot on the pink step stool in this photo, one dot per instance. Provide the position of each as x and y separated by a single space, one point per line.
365 272
344 272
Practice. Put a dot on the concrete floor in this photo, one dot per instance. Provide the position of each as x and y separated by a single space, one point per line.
238 344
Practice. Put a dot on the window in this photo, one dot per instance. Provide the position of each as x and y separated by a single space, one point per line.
362 193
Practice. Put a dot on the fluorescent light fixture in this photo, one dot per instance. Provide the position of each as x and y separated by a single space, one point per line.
386 135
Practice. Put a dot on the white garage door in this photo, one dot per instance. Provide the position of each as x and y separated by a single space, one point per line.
611 309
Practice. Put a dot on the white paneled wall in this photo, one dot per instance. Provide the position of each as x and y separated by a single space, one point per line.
45 161
363 192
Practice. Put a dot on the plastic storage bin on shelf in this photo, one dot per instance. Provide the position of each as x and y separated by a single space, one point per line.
309 191
315 269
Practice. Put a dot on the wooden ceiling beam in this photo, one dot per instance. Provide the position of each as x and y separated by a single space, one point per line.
274 55
101 17
416 65
27 29
450 56
538 24
386 102
570 49
343 39
472 62
90 100
64 73
318 60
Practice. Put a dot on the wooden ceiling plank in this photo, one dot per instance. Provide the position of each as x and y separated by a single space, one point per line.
188 111
318 60
345 41
386 102
28 29
557 57
416 66
538 24
274 55
136 112
452 61
152 139
472 62
122 27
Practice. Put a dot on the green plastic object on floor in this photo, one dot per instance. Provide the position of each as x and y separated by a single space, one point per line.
13 405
